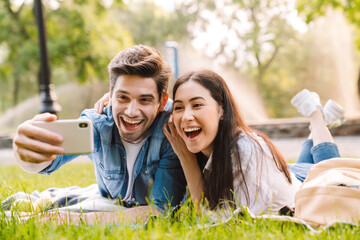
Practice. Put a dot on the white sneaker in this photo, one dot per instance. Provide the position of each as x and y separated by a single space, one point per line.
306 102
333 114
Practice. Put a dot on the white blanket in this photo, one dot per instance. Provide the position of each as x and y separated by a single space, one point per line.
73 198
88 199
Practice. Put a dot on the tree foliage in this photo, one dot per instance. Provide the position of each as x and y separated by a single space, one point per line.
249 33
312 9
253 36
151 25
81 36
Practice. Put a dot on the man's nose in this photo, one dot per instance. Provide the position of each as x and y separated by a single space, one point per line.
132 109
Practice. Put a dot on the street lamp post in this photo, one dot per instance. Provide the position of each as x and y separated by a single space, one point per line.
47 94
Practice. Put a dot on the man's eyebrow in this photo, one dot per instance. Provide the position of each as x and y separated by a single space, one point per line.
122 91
147 96
142 95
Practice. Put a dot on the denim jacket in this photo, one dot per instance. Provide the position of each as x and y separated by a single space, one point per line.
158 176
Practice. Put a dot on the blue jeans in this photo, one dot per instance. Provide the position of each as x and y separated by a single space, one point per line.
311 155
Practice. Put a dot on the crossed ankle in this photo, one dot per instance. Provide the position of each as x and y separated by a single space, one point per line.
307 103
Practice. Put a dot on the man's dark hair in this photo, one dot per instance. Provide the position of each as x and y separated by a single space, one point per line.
142 61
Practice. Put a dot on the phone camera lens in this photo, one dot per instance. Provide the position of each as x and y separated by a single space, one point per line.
83 125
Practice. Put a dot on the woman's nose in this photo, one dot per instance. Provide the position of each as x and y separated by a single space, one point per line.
188 114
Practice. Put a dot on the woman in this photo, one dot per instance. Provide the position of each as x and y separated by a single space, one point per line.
227 162
242 166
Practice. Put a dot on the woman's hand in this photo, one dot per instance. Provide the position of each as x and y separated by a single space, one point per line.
188 162
177 143
102 102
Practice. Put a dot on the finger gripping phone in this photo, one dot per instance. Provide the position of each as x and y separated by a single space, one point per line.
78 134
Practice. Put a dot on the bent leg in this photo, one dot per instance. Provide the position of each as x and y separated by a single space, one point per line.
324 146
300 170
319 131
305 154
324 151
320 152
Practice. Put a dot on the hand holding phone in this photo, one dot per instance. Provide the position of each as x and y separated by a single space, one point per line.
78 136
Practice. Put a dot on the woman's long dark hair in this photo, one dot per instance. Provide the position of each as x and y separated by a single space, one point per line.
218 183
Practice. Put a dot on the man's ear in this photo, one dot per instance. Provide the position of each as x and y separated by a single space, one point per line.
163 102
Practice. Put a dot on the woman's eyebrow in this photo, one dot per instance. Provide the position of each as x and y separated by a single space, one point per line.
191 99
177 101
196 98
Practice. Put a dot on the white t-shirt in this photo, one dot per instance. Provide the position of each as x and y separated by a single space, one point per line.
268 188
132 151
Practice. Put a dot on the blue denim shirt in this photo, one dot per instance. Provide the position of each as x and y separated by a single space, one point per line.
158 176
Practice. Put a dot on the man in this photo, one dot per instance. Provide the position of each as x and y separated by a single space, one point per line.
133 159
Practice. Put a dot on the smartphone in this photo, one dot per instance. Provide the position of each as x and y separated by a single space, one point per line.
78 134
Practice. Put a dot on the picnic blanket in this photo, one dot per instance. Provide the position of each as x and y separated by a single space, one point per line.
73 198
88 199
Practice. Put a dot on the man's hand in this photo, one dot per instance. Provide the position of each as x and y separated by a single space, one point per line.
103 102
37 145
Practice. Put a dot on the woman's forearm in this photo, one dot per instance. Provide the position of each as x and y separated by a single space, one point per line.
193 176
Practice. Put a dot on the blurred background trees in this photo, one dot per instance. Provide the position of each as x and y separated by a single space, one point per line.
279 46
256 37
313 9
81 41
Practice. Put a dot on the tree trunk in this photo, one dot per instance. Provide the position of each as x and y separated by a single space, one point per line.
16 89
358 84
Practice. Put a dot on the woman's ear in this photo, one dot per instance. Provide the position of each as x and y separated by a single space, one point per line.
163 102
221 113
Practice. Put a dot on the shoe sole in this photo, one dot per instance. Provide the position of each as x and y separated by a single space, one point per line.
299 97
334 108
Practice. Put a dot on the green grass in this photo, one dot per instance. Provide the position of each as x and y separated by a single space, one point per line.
184 225
13 179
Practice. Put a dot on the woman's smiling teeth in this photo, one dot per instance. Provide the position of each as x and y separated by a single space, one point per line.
192 132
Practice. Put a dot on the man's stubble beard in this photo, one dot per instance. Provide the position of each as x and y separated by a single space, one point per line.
133 140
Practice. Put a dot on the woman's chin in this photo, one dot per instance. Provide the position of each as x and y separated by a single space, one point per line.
193 149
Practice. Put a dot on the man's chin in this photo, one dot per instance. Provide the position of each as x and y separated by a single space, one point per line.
132 138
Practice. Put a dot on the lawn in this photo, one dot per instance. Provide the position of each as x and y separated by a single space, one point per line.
184 225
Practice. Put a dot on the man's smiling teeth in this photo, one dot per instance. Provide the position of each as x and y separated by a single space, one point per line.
191 129
131 121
